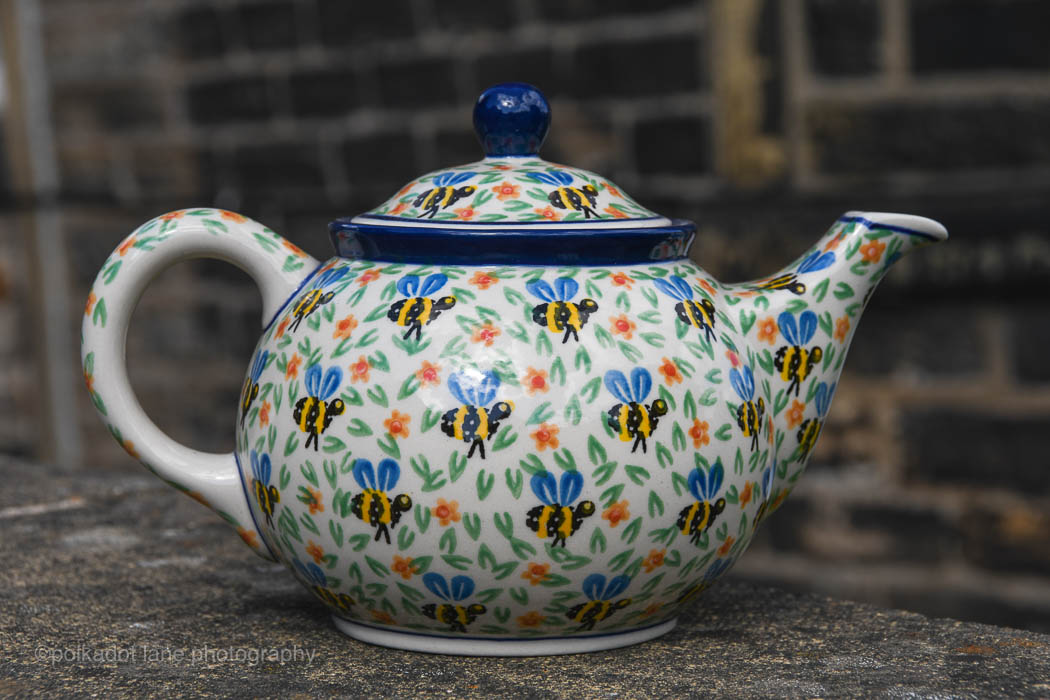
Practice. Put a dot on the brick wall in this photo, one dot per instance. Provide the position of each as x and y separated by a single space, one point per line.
762 120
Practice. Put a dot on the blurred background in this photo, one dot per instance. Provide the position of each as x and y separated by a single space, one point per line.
762 120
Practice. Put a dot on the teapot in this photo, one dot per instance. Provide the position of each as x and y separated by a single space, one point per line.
510 416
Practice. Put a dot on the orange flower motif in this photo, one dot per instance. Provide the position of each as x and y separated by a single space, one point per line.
536 573
485 333
296 250
465 213
399 208
129 447
617 512
670 372
199 497
482 280
707 286
359 370
726 546
369 276
841 328
126 246
767 330
315 551
796 413
769 429
446 512
548 214
745 495
535 380
172 215
699 433
872 251
264 414
249 537
232 216
382 617
314 501
611 189
621 280
531 619
89 380
546 436
397 424
834 242
403 566
654 560
283 326
292 368
404 190
614 212
652 609
747 293
621 325
733 358
344 327
428 374
90 303
506 190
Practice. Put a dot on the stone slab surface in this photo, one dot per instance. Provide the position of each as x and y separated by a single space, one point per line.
119 585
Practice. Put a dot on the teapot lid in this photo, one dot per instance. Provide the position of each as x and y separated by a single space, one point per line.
512 206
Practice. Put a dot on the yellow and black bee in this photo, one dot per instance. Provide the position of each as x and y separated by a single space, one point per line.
632 419
556 517
793 361
600 606
374 505
314 412
472 422
318 583
451 613
809 431
266 495
713 572
558 313
699 314
581 199
789 280
750 412
316 297
696 518
419 309
251 384
444 193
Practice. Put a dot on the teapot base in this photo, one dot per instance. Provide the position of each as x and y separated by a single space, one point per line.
481 646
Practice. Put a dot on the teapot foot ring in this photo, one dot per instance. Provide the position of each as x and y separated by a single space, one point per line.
482 646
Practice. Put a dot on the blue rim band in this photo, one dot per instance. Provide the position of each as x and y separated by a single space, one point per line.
563 246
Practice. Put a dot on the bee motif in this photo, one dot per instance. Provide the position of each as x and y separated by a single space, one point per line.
695 519
712 573
601 605
456 616
419 309
314 412
318 584
581 199
374 505
444 193
556 517
266 495
793 361
699 314
251 384
632 418
809 431
750 412
789 281
314 299
767 493
472 422
558 313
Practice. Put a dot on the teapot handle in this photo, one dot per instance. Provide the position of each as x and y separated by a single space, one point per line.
277 266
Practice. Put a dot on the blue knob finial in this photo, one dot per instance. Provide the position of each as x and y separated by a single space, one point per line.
511 119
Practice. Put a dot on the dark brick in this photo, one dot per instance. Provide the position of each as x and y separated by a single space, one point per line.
324 93
280 166
892 137
918 535
977 35
767 43
201 32
344 23
471 15
417 83
670 65
105 105
230 100
1014 540
988 608
843 36
267 26
561 10
1030 335
679 145
534 66
784 531
453 148
967 446
384 158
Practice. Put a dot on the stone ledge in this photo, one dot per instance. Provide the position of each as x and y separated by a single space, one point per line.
165 596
